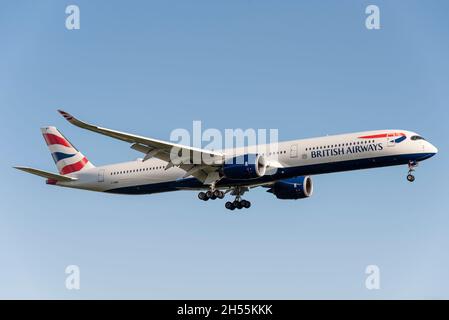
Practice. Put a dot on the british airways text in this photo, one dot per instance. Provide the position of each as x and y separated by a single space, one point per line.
345 150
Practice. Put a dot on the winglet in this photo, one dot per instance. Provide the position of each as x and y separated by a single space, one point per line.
66 115
75 121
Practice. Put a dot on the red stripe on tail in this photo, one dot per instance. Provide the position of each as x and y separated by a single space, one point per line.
77 166
54 139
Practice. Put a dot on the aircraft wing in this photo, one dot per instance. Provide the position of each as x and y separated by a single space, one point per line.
192 159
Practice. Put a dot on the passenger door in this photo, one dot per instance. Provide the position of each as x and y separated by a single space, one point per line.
294 151
101 175
391 140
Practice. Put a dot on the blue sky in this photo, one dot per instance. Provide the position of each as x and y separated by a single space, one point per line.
149 67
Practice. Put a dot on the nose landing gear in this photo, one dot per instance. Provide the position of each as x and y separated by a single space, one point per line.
411 168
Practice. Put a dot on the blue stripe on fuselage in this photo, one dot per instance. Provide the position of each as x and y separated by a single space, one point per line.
400 139
282 173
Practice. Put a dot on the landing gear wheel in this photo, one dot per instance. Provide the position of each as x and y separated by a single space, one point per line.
229 205
237 204
246 204
203 196
221 195
209 194
411 168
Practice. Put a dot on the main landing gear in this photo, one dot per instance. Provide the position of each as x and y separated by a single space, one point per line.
238 203
211 194
411 168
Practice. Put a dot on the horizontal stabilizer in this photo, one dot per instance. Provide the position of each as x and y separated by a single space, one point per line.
46 174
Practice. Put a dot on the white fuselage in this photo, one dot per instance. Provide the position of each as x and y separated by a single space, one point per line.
291 158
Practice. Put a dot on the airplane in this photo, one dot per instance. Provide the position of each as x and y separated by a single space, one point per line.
284 168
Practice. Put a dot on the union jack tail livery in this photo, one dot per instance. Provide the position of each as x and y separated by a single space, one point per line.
67 158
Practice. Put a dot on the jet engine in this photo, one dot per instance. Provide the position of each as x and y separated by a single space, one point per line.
293 188
248 166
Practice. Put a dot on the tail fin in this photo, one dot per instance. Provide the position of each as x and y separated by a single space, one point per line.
67 158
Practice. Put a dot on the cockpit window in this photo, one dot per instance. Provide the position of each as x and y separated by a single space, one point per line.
417 138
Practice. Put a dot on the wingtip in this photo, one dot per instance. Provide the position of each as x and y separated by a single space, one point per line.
66 115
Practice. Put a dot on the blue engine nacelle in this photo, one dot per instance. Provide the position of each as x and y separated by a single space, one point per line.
248 166
293 188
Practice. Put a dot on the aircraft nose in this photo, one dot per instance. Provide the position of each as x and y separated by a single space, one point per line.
433 149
